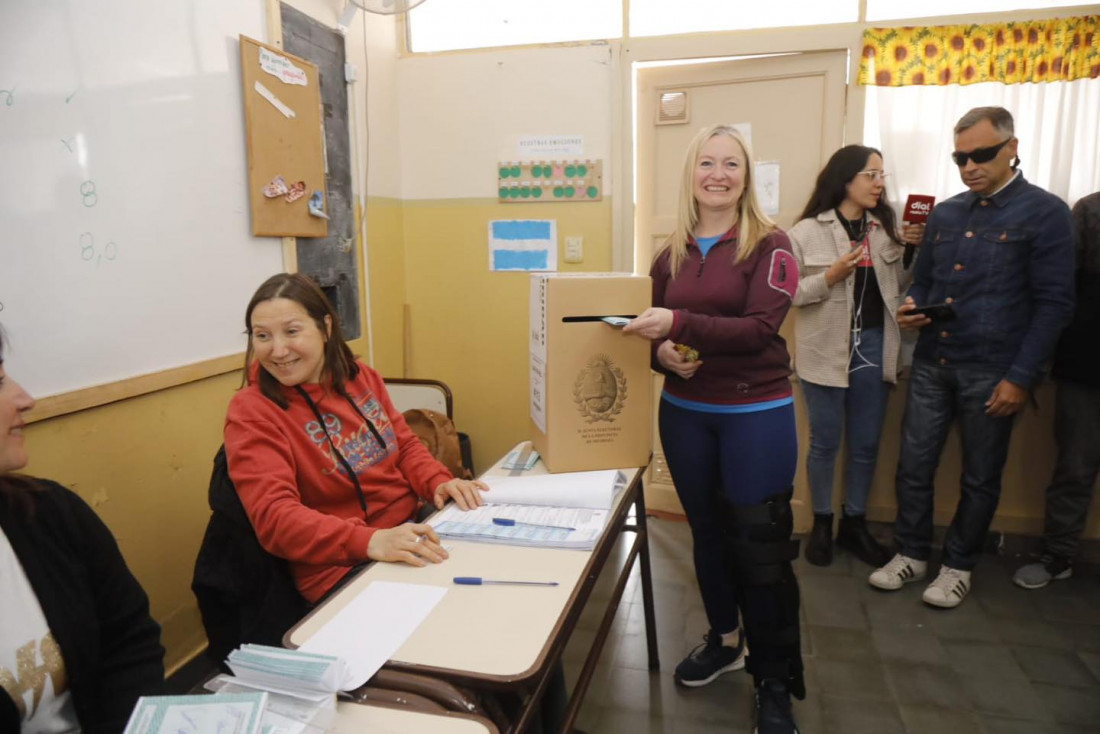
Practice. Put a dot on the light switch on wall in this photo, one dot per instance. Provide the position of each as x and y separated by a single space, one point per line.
574 249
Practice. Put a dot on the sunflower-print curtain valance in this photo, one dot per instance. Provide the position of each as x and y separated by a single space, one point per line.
1012 53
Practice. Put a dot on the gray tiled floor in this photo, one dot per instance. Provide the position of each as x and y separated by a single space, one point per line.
1007 661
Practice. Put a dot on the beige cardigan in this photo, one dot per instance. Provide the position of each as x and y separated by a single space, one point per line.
823 325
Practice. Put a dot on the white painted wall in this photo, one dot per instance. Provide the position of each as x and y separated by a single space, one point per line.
461 113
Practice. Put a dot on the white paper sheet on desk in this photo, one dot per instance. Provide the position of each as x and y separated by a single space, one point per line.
372 626
591 489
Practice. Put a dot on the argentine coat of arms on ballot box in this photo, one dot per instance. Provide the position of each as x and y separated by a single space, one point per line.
599 390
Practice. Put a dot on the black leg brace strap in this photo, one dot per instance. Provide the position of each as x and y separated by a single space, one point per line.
761 550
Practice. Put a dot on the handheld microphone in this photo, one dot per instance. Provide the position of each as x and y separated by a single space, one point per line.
917 209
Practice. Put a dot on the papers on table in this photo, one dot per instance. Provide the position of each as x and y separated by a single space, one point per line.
285 713
372 626
521 458
548 510
275 692
294 673
547 527
593 489
228 714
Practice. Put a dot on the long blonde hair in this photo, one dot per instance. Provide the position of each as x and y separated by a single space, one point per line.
754 223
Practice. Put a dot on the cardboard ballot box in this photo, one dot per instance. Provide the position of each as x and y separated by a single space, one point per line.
590 383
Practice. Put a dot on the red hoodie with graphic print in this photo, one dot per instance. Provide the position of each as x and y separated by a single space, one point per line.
297 493
731 313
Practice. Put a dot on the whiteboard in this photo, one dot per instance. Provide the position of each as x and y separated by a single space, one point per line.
124 231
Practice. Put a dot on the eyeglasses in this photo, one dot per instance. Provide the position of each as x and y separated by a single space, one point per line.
979 155
874 175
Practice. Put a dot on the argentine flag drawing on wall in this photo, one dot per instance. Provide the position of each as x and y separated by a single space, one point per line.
523 244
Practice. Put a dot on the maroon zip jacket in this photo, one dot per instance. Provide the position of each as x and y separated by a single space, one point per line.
731 313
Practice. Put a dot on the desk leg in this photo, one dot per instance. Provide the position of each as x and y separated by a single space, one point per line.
585 677
647 582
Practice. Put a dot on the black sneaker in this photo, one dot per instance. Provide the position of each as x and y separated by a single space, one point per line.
710 660
773 709
1037 575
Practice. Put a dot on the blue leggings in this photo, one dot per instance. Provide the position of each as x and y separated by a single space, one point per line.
745 457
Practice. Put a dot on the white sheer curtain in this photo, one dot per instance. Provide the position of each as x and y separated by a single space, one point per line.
1057 123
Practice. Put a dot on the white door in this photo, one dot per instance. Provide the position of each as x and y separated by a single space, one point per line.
794 107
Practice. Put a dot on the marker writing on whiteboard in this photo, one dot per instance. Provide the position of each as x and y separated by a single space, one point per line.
88 251
87 190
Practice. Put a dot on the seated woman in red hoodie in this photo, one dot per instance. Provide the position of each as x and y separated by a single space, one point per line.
325 466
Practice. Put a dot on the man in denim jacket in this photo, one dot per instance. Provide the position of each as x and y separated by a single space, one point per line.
1001 254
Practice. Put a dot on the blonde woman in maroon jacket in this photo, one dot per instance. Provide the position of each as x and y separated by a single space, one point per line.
326 468
722 285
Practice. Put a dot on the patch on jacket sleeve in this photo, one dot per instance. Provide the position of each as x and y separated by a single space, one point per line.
783 273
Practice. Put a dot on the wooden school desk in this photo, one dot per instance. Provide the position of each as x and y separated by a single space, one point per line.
511 637
356 718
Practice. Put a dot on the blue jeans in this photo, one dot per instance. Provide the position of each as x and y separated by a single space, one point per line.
862 406
1077 435
747 457
938 395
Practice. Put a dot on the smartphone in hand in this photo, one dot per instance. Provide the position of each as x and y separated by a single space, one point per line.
935 311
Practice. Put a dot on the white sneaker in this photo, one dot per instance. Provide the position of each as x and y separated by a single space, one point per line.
949 588
898 572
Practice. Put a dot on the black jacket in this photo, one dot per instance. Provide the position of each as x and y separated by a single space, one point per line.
245 594
1078 352
95 608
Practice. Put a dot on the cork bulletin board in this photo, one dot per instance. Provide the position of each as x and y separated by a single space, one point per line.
286 155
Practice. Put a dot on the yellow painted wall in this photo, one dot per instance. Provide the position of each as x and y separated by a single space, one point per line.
144 465
469 325
386 259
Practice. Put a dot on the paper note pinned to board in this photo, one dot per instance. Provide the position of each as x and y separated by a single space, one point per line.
767 186
281 67
270 97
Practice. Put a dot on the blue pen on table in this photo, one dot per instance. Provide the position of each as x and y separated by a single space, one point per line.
509 522
478 581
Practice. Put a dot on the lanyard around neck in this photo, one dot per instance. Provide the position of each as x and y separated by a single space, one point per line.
343 461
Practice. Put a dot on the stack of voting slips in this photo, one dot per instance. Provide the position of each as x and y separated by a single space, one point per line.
232 714
273 691
566 510
521 458
300 686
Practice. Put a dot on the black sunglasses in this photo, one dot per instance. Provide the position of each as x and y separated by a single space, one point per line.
979 155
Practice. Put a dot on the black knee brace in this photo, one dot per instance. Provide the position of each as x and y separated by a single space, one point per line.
758 540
